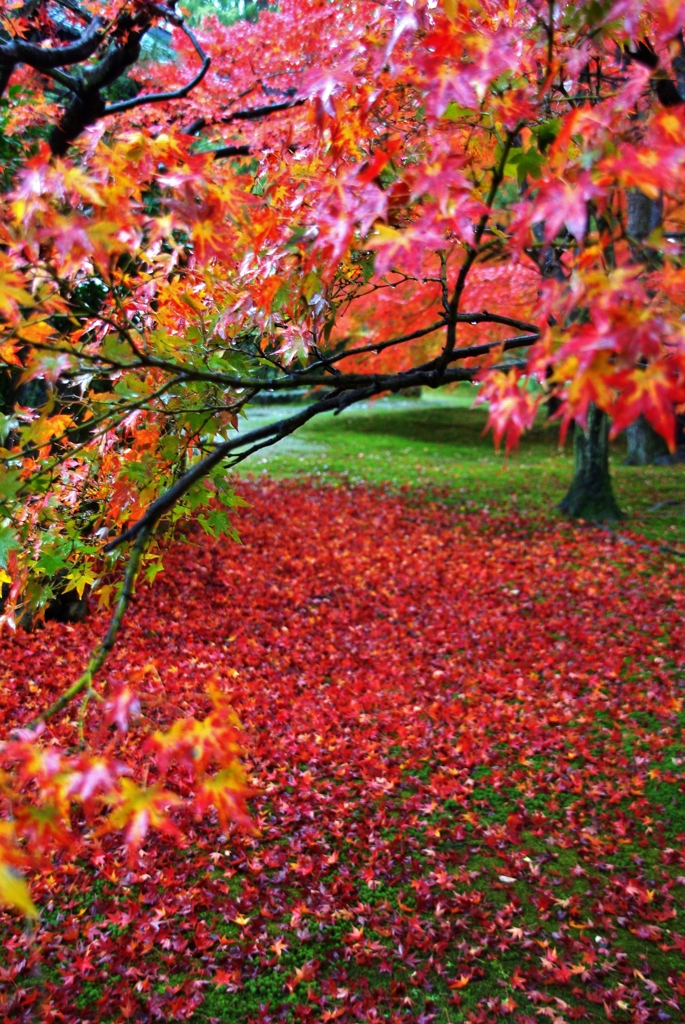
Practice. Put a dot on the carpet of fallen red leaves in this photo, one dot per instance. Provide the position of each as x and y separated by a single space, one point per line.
468 741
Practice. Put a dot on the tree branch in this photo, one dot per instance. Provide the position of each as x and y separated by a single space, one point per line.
420 333
276 431
520 341
254 113
665 87
307 378
472 253
160 97
461 353
20 52
225 151
485 317
99 655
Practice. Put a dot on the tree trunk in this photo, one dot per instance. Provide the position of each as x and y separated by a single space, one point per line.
591 495
644 215
6 393
645 446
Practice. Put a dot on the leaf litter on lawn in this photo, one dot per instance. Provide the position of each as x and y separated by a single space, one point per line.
467 739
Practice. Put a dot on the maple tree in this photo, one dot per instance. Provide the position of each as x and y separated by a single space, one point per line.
350 199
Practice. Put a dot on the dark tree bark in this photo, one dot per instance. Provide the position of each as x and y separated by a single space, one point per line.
6 393
644 214
591 494
645 446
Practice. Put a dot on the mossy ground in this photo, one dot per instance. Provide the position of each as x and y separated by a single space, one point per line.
438 441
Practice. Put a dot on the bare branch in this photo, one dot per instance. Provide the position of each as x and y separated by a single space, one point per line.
520 341
177 94
275 432
64 78
379 347
225 151
20 52
249 114
485 317
255 113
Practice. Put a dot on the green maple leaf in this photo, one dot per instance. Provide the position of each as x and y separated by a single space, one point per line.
8 542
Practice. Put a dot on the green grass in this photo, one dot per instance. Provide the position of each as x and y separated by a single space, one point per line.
437 441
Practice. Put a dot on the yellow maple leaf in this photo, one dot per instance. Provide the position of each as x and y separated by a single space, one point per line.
47 427
8 353
15 892
80 579
13 294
